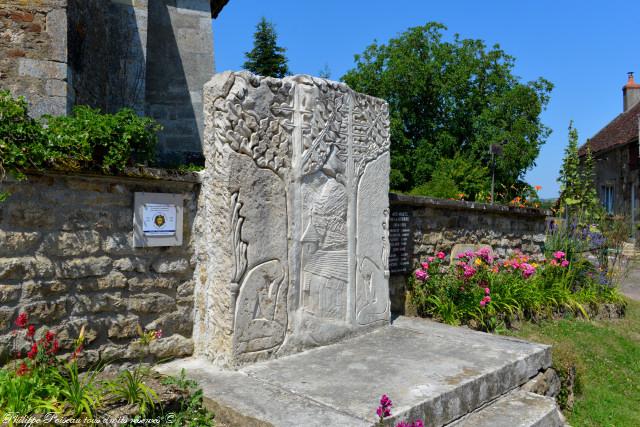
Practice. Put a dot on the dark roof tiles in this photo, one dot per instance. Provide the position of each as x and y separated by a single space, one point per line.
620 131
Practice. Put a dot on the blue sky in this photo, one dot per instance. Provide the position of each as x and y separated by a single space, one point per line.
584 47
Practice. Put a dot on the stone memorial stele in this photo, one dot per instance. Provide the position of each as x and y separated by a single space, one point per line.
295 220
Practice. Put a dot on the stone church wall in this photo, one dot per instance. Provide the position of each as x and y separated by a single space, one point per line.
67 259
151 56
33 54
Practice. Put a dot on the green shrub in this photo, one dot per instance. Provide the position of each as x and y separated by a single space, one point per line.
85 140
89 139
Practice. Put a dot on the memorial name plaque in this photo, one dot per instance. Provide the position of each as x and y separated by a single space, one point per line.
399 239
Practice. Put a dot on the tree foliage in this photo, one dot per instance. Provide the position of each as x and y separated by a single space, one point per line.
456 178
266 58
449 97
578 196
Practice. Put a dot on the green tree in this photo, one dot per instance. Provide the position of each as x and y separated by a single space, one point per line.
456 178
266 58
578 196
448 97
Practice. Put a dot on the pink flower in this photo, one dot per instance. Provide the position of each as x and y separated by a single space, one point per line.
159 334
487 291
559 255
527 270
553 262
483 303
421 275
469 271
487 298
384 410
440 255
425 265
430 259
564 263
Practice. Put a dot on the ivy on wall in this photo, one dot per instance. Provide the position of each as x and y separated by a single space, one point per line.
85 140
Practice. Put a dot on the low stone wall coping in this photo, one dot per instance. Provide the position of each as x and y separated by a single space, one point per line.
129 174
432 202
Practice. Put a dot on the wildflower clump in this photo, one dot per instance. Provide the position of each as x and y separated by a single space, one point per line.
484 292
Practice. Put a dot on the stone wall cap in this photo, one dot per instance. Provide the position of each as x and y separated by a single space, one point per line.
422 201
136 173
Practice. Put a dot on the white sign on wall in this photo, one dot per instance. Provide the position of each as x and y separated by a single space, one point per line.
157 219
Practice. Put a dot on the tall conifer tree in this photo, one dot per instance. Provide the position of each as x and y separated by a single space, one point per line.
266 58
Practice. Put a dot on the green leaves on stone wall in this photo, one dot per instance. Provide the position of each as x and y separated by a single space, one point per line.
85 140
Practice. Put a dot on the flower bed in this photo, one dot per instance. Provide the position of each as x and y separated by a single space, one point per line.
42 387
484 292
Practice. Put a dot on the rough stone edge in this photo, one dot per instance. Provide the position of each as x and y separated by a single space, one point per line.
130 174
230 416
551 418
539 357
396 199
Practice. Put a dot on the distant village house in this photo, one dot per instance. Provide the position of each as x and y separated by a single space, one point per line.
615 150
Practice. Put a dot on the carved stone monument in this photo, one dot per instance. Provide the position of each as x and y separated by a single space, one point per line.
295 220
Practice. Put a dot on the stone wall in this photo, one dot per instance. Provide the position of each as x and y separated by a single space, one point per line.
33 53
67 258
438 225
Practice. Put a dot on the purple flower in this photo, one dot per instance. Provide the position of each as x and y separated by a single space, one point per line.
564 263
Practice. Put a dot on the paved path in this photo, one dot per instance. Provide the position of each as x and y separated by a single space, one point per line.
630 285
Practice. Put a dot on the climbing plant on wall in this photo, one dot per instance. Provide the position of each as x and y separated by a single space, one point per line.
85 140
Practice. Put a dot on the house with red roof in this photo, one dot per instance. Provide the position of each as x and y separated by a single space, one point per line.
615 150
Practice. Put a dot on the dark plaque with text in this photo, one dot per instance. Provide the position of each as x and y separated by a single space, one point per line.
399 240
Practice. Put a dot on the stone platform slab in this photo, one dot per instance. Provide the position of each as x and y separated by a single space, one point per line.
516 409
430 371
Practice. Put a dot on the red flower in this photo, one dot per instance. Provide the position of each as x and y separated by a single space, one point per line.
21 321
33 352
49 336
22 370
55 347
76 352
31 331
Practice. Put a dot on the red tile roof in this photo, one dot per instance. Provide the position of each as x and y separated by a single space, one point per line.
620 131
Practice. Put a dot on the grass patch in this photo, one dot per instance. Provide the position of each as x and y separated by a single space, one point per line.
607 358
